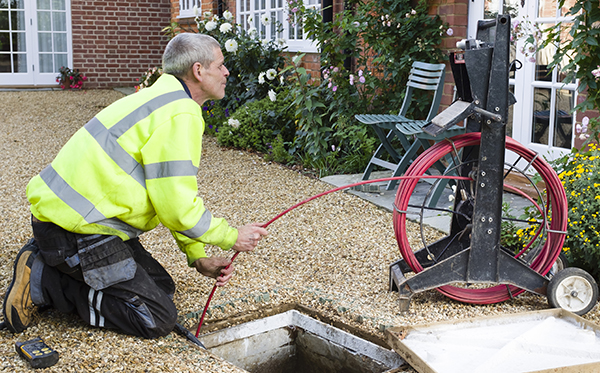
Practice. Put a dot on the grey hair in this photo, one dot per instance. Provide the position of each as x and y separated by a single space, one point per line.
185 49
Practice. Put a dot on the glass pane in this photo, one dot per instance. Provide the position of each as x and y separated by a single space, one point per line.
45 42
44 22
273 24
18 4
4 42
46 63
272 4
19 42
491 8
59 60
263 4
567 6
299 28
43 4
563 122
60 5
20 62
59 21
60 42
509 120
542 60
541 115
4 20
256 5
248 5
5 63
511 7
17 20
3 4
547 8
565 37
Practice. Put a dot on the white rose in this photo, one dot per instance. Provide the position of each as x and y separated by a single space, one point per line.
261 78
272 95
225 28
252 31
250 20
234 123
231 46
227 15
271 74
265 19
210 25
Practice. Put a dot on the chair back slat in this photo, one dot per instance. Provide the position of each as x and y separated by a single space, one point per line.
427 77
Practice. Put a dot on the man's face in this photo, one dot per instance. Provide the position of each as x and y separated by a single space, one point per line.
214 78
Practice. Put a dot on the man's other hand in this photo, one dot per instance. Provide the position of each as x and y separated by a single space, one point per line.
248 236
215 267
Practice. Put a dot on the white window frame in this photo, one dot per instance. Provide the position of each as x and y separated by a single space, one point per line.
278 12
186 8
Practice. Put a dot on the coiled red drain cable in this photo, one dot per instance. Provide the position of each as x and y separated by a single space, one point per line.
557 199
556 203
315 197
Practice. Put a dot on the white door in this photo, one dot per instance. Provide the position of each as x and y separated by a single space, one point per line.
541 119
35 41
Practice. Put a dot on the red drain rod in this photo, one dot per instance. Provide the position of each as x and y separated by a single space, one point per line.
315 197
556 202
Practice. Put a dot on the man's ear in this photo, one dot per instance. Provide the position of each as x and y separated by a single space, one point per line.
197 71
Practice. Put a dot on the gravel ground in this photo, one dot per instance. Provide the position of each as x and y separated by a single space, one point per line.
330 255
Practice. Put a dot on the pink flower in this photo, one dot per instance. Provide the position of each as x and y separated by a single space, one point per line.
361 79
351 79
450 32
334 88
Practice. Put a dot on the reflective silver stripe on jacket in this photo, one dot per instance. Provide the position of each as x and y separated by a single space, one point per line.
70 196
201 227
170 169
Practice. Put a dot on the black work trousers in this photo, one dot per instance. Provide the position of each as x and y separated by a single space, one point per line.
141 306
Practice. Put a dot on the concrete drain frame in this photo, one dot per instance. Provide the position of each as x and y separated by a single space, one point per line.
287 339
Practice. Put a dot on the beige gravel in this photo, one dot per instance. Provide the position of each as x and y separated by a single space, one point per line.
331 255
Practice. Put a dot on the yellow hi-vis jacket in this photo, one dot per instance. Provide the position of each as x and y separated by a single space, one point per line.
131 167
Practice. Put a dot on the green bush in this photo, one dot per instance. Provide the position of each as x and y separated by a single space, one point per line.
382 39
257 124
580 176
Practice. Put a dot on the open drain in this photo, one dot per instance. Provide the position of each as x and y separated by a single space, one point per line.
292 342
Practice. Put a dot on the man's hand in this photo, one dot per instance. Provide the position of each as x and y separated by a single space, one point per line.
248 236
215 267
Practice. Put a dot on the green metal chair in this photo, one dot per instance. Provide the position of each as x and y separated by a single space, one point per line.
423 76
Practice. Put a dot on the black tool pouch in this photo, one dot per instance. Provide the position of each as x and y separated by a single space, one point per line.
105 261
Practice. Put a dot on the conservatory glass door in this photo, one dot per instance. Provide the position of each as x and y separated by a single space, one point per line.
34 41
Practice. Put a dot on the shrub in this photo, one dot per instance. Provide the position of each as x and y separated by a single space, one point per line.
579 173
257 124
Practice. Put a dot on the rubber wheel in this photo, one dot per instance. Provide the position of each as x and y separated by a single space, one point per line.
574 290
561 263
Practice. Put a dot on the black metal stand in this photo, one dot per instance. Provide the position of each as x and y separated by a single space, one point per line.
481 75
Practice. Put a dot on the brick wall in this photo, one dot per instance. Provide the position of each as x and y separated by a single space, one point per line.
115 41
455 13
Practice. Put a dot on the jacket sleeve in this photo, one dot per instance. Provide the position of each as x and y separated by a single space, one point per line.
171 158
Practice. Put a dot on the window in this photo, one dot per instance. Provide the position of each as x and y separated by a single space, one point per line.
186 8
250 14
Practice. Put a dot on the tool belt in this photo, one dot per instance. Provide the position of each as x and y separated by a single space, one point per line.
101 260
